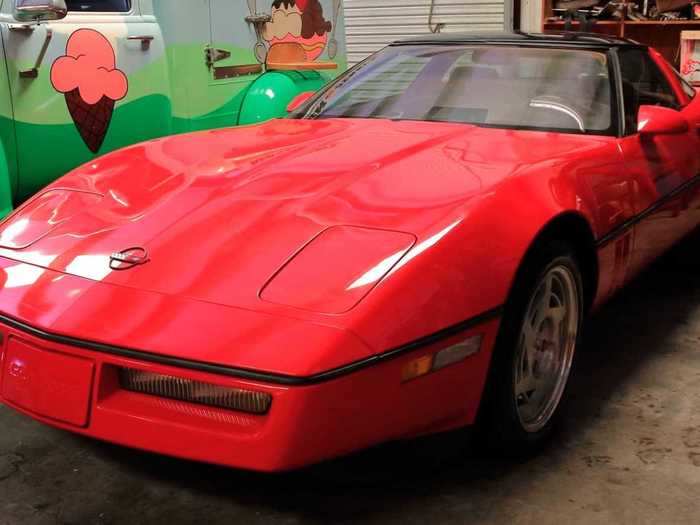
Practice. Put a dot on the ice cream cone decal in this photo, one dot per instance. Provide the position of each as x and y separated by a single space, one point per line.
88 77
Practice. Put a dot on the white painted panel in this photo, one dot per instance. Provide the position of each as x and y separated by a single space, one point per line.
372 24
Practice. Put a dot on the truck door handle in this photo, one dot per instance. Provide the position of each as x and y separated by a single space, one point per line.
213 55
34 72
144 39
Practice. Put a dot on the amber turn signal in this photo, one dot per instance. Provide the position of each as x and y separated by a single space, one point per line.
417 368
448 356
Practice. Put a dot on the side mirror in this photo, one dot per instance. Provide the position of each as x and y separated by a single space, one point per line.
28 11
299 100
658 120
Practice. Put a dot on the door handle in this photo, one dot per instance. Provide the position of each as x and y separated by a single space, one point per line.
213 55
34 72
144 39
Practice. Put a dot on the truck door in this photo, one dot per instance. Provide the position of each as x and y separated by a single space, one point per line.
231 61
8 165
84 85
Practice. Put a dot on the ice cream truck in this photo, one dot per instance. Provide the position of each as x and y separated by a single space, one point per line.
79 78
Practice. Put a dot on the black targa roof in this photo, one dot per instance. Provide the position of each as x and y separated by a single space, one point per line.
561 39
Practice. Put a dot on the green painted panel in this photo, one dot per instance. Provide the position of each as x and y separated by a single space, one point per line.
221 117
8 162
40 169
5 189
197 96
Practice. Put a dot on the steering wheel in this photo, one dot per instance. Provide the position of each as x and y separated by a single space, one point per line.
558 104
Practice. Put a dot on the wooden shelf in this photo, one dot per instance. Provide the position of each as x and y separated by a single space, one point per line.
562 22
696 23
662 22
664 35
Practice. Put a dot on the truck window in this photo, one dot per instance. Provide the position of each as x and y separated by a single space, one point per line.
99 6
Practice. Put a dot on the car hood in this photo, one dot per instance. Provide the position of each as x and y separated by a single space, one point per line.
220 212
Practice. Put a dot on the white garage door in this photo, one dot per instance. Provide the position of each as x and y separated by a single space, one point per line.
372 24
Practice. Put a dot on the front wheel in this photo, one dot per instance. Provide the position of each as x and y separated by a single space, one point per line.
535 351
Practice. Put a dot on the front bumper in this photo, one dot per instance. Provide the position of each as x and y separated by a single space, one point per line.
306 423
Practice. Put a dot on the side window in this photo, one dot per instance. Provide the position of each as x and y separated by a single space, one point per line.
687 88
643 84
99 6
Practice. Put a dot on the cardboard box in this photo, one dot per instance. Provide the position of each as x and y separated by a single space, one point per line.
690 56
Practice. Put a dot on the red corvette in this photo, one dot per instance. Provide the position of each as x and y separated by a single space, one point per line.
412 251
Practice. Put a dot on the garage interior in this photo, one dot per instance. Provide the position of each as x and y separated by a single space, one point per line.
627 451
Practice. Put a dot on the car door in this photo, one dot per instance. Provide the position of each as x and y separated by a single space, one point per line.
69 109
661 166
690 103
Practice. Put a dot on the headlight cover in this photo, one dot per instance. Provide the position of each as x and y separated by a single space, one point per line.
197 392
42 214
337 269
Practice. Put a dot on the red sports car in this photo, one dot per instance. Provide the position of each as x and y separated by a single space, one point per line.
413 250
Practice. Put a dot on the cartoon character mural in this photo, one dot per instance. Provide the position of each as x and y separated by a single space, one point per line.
690 56
297 33
88 77
690 67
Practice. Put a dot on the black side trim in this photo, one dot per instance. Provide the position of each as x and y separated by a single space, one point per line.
242 373
633 221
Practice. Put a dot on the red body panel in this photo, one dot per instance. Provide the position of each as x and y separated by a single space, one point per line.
299 249
220 215
50 383
306 424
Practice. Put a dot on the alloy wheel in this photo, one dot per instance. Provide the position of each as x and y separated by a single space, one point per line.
546 348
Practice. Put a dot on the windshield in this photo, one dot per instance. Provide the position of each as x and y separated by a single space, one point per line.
498 86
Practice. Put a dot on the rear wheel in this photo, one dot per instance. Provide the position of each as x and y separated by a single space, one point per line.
535 351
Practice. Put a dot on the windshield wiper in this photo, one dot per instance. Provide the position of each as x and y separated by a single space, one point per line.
320 106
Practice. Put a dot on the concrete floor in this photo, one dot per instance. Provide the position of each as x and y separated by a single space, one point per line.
628 451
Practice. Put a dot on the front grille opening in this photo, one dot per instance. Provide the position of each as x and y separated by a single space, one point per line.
179 389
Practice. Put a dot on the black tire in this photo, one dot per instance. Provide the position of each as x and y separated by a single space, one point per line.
500 422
